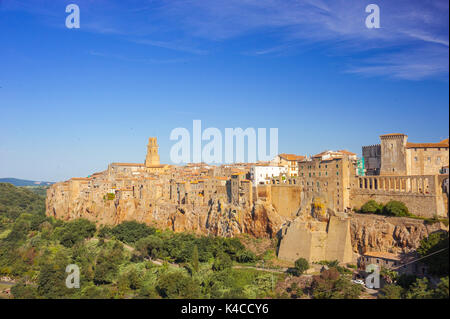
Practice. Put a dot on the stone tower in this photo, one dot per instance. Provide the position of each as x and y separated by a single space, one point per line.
152 158
393 154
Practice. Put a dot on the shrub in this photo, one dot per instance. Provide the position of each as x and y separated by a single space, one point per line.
301 265
177 285
371 207
437 264
131 231
396 208
391 292
75 231
222 262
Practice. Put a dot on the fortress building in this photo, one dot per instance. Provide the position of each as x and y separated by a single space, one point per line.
396 156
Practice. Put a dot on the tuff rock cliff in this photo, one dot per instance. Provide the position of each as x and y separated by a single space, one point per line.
219 218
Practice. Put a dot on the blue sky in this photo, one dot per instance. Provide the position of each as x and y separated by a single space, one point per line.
74 100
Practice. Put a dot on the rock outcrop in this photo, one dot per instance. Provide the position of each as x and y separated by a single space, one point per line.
217 218
389 234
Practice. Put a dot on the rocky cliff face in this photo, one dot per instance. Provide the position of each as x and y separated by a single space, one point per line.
217 218
389 234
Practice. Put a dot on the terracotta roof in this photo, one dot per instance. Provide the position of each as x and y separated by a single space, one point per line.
327 152
222 178
380 254
80 179
443 143
346 152
291 157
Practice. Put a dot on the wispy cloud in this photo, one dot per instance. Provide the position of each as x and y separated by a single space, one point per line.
171 45
416 29
409 64
136 60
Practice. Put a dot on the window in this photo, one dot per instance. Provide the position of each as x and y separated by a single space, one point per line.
415 158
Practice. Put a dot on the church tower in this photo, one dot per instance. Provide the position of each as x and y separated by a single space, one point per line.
152 158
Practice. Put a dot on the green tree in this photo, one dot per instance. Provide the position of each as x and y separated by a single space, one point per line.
195 258
371 207
177 285
222 262
24 291
301 265
131 231
52 276
420 290
396 208
391 291
441 291
75 231
438 264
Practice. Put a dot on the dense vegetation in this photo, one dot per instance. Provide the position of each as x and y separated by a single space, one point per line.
133 260
434 251
130 260
391 208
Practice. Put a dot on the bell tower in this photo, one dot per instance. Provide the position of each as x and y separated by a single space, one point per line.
152 158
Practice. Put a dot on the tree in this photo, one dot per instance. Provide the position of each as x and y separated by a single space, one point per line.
301 265
391 291
420 290
177 285
371 207
396 208
75 231
438 264
222 262
24 291
195 258
441 291
52 276
131 231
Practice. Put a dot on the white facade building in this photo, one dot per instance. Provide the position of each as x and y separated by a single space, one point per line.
261 174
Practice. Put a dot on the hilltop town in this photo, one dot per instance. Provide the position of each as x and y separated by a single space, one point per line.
311 203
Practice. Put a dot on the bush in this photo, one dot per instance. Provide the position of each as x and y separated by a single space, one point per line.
131 231
222 262
396 208
391 292
301 265
371 207
437 264
75 231
177 285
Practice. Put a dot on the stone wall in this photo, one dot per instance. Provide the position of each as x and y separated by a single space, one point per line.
423 195
317 241
286 199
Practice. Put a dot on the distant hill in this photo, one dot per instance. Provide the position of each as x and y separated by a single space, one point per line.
17 200
23 182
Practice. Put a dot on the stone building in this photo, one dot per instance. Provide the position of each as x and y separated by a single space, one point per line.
328 175
290 161
396 156
372 159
